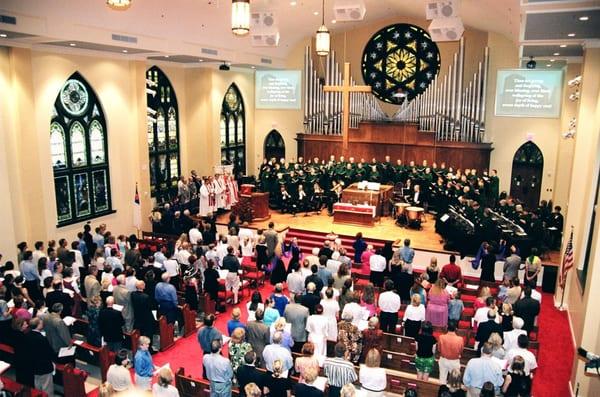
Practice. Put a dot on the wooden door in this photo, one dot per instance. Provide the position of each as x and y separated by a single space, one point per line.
527 172
274 145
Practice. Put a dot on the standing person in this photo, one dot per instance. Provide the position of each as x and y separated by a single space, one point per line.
111 325
454 387
307 388
338 370
450 347
437 307
123 297
276 352
488 264
530 362
331 310
91 284
165 295
248 373
426 344
432 270
414 315
56 330
142 310
452 273
94 336
218 371
372 338
517 382
533 266
359 246
163 386
372 377
528 309
377 266
41 355
232 281
271 239
238 348
118 375
407 254
144 368
206 335
297 316
30 273
481 370
317 326
258 335
389 304
512 264
485 329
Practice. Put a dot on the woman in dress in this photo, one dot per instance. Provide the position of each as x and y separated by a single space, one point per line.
516 382
533 266
262 258
488 264
359 246
507 317
144 368
211 280
317 326
278 272
331 310
93 312
341 276
425 351
479 302
437 307
433 270
367 299
238 347
414 315
271 313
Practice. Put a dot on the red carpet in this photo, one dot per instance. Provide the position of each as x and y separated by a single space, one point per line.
556 354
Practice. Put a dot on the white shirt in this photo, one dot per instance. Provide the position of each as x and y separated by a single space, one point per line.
333 265
481 315
247 248
372 379
377 263
182 256
510 338
244 232
36 255
195 236
171 267
534 294
169 391
414 313
530 361
336 293
317 324
252 313
222 251
119 377
358 312
389 301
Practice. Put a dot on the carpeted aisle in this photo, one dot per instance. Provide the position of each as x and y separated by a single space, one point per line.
556 351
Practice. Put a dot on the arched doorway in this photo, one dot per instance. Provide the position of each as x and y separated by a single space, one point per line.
526 177
274 145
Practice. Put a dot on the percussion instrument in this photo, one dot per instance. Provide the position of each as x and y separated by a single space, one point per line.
400 207
414 213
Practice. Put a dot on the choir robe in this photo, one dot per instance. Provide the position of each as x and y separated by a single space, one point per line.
212 198
317 326
220 193
232 190
203 207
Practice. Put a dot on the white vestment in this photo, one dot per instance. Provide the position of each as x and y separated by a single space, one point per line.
212 201
331 308
220 192
203 207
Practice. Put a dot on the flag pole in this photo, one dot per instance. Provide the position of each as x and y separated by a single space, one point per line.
564 281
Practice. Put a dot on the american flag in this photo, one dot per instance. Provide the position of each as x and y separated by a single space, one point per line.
567 262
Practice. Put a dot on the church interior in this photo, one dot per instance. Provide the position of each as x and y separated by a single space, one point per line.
450 123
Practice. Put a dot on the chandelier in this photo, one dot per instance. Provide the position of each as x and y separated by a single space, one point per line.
322 39
240 17
119 5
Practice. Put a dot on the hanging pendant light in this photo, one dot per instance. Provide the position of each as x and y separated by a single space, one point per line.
240 17
119 5
322 39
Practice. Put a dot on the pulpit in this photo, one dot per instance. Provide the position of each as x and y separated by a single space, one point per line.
363 215
379 199
259 202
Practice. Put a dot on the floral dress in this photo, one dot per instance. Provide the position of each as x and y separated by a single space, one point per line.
350 336
237 351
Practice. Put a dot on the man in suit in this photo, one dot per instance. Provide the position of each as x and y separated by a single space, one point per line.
57 332
91 284
311 299
527 308
40 356
142 310
110 322
57 295
248 373
296 314
123 297
512 264
485 329
257 334
314 278
271 239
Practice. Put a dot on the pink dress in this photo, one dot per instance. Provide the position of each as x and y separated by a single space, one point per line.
437 309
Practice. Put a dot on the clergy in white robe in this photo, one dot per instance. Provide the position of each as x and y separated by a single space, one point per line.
331 310
220 192
317 326
204 207
232 189
212 197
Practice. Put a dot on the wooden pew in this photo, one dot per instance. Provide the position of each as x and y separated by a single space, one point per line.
19 390
404 363
188 386
189 320
7 353
398 384
399 343
80 327
165 331
72 379
93 355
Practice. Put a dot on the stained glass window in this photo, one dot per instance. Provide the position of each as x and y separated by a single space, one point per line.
274 145
232 130
78 145
162 135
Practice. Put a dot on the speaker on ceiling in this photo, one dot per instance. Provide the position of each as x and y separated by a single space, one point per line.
446 29
349 10
264 38
263 19
442 9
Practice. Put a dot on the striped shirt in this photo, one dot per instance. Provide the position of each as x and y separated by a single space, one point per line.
339 372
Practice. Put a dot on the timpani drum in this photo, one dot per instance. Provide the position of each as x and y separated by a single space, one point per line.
400 207
414 213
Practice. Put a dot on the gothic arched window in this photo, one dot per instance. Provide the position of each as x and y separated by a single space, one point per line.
274 146
79 152
233 130
162 135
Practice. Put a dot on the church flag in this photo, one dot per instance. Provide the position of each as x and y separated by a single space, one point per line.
567 262
137 210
